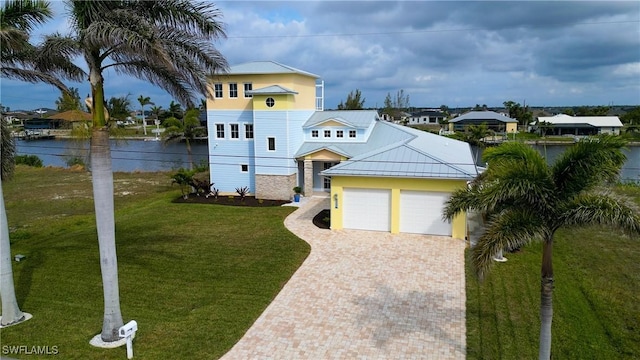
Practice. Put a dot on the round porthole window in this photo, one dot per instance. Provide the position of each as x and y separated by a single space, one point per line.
270 102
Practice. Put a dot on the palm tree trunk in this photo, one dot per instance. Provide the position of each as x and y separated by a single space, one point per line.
102 178
546 301
11 313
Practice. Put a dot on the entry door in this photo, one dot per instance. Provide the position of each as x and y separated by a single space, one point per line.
326 182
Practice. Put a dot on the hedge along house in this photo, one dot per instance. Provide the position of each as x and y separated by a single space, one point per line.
268 131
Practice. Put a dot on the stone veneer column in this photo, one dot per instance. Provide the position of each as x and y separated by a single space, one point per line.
308 178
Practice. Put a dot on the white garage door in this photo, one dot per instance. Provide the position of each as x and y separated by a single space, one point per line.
421 213
367 209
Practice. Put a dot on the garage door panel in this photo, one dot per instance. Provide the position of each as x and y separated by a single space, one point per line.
367 209
421 213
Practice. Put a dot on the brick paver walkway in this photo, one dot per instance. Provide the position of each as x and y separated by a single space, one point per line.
364 295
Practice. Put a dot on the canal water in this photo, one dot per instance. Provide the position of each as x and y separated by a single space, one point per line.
126 155
138 155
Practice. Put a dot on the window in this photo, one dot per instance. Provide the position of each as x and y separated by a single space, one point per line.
233 90
248 87
339 133
327 133
270 102
220 131
248 131
217 90
244 168
352 133
314 133
235 131
271 144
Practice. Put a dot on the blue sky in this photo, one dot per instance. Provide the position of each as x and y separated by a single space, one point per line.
453 53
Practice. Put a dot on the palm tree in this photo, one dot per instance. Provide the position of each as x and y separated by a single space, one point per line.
166 42
175 109
188 130
11 313
20 60
526 200
144 100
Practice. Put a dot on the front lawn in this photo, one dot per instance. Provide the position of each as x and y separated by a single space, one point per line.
194 276
596 308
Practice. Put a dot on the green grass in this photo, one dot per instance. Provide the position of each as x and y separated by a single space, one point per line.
596 308
194 277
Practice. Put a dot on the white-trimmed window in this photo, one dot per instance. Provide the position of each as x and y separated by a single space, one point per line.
270 102
271 144
244 168
235 131
219 131
352 134
233 90
248 131
327 133
314 133
248 87
339 133
217 91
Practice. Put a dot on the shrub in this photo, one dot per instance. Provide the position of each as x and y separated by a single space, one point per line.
75 160
29 160
184 178
243 191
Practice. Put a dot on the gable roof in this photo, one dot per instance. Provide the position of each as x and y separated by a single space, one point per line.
596 121
359 119
271 90
266 67
483 115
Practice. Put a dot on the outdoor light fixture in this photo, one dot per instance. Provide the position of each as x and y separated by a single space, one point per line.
335 201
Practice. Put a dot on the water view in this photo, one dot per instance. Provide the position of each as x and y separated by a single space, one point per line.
138 155
127 155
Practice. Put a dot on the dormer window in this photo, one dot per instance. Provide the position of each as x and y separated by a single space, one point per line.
314 133
352 134
327 133
339 133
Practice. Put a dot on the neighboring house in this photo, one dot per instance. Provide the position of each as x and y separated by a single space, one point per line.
268 131
562 124
427 117
495 121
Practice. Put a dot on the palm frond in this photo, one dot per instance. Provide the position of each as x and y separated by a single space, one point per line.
33 76
588 163
510 229
602 209
24 14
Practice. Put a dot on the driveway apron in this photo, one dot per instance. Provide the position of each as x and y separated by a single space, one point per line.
364 295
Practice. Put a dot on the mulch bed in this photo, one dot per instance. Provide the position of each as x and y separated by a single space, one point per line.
230 200
319 220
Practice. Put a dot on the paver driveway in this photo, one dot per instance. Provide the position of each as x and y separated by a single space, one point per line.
364 294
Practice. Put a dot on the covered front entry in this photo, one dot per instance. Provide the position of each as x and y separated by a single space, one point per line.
421 212
367 209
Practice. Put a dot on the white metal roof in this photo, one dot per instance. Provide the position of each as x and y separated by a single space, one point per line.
360 119
596 121
266 67
399 151
483 115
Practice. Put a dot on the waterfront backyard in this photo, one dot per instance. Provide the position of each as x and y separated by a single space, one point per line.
196 276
